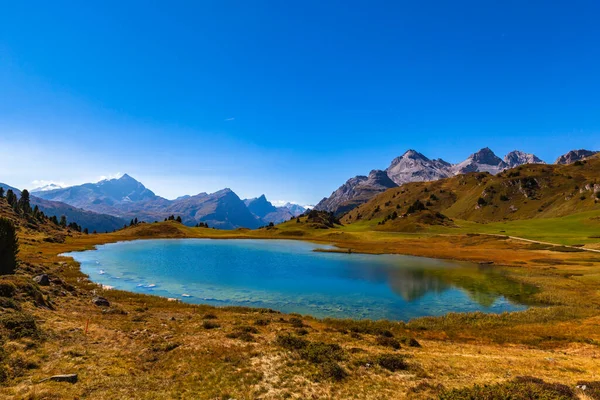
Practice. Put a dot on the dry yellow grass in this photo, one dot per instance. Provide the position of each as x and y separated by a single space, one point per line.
149 348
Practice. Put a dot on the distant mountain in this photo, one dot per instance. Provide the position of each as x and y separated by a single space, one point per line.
87 219
266 211
574 155
295 209
109 196
127 198
516 158
483 161
260 206
413 166
222 209
356 191
45 188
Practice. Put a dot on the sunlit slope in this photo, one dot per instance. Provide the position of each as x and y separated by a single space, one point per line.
526 199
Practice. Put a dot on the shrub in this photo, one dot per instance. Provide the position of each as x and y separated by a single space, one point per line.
6 302
481 202
322 352
392 362
520 388
241 335
262 322
7 288
504 197
416 206
291 342
332 370
388 342
210 325
209 316
20 325
301 332
411 342
296 322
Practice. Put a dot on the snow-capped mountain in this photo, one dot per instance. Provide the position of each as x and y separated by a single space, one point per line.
48 187
295 209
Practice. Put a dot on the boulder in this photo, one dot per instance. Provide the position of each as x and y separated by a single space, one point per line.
42 280
100 301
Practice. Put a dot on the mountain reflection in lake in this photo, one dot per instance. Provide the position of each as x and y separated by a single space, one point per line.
289 276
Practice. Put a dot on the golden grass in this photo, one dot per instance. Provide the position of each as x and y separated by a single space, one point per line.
147 347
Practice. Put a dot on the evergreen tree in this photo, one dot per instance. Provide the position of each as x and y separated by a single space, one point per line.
63 221
24 203
9 247
86 231
178 219
1 192
131 223
135 221
11 197
54 220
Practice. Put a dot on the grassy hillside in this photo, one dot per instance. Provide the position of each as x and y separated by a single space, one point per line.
148 347
554 199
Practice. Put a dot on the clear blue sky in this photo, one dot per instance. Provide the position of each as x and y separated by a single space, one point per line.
287 98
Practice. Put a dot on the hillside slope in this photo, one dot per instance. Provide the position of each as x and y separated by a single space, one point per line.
526 192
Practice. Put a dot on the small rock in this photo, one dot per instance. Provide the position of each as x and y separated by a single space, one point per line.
71 378
100 301
42 280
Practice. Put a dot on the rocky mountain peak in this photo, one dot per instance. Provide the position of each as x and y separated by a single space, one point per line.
486 156
575 155
517 157
413 166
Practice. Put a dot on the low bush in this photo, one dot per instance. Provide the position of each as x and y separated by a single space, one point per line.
392 362
332 370
6 302
388 342
520 388
291 342
262 322
296 322
210 325
19 325
320 352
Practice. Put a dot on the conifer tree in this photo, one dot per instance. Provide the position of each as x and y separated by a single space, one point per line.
11 197
1 192
63 221
9 247
24 203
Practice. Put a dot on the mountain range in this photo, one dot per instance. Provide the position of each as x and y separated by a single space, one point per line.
413 166
126 198
87 219
109 204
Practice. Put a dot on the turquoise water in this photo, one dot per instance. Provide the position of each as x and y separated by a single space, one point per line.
289 276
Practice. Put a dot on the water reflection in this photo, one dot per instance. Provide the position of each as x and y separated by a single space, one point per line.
291 277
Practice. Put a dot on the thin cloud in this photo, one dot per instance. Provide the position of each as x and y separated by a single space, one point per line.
39 183
230 119
111 176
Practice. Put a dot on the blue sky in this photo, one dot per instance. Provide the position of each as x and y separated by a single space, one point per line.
286 98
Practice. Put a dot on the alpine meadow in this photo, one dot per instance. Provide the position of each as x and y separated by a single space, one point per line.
316 200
